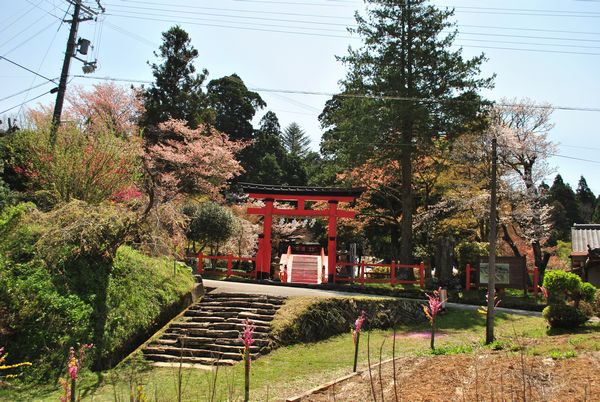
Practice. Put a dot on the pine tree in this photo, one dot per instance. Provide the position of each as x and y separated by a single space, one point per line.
234 106
407 55
596 214
586 200
266 153
177 89
562 193
295 141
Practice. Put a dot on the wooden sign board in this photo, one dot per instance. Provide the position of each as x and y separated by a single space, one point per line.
511 272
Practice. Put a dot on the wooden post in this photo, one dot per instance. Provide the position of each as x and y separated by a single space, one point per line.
362 273
393 272
331 244
268 222
422 275
468 277
200 263
491 291
229 265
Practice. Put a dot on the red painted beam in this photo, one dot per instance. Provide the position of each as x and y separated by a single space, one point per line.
292 197
301 212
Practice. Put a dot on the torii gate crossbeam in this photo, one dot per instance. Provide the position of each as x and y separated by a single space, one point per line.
268 194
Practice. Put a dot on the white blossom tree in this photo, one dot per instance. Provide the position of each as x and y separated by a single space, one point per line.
521 128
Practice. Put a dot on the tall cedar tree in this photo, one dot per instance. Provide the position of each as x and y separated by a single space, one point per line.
562 193
586 200
296 141
596 215
268 153
177 90
406 55
234 106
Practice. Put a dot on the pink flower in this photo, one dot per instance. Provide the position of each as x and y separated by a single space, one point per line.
544 292
72 365
434 306
358 325
247 334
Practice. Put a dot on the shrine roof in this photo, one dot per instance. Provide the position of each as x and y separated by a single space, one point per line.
583 235
252 188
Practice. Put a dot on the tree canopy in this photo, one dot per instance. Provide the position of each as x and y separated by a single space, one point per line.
385 109
176 92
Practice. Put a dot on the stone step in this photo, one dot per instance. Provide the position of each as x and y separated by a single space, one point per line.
219 326
234 320
274 299
209 332
204 332
241 303
217 308
265 300
206 346
202 340
214 315
255 316
193 360
194 352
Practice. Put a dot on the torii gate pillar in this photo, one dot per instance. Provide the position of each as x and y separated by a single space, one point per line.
269 194
332 240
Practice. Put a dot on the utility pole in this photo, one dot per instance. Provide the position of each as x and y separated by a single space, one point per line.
70 53
62 86
491 293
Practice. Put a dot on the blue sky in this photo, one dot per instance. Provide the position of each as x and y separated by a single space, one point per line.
546 51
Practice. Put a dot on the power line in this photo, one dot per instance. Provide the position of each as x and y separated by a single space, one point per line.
27 101
17 19
27 69
261 12
252 28
23 91
357 95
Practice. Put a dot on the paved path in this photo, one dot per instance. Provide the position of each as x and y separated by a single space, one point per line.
275 290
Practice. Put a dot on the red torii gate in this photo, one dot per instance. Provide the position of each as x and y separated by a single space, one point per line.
271 193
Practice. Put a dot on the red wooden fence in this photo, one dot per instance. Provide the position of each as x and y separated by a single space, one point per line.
364 275
229 271
370 276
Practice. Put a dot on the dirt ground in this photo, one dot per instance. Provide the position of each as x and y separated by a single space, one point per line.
485 375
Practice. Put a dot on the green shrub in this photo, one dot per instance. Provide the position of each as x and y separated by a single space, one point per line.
211 225
564 316
596 303
62 284
587 292
561 284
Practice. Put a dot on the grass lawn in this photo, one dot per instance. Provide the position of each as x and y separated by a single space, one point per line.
291 370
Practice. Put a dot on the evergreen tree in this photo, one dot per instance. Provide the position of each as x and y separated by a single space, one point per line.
586 200
295 141
234 106
177 89
407 54
266 153
596 214
562 193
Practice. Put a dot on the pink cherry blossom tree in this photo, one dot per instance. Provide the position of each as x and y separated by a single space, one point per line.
197 161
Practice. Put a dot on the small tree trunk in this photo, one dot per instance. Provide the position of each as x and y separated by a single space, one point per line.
433 335
356 352
247 375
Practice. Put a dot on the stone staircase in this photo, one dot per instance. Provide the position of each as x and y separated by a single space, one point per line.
305 269
209 332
